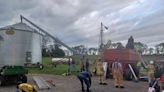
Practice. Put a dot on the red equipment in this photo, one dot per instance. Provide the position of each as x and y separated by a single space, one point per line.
162 82
125 56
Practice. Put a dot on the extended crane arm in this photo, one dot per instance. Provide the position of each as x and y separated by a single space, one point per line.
42 31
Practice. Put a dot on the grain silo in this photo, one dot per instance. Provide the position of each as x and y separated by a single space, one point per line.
20 44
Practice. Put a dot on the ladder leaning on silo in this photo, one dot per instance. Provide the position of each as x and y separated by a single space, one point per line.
43 32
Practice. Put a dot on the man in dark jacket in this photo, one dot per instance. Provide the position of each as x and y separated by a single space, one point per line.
85 77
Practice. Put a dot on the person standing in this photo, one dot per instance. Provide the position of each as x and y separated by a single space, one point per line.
100 71
150 71
69 66
82 67
73 64
85 77
87 65
117 71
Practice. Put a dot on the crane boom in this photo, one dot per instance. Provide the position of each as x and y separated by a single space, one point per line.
42 31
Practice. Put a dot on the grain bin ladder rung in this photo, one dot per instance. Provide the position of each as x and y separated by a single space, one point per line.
41 83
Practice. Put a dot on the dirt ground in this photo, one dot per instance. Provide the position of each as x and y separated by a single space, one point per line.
71 84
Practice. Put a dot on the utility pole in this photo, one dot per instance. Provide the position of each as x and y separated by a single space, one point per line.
101 37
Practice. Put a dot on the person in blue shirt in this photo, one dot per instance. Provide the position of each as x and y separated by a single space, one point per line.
85 77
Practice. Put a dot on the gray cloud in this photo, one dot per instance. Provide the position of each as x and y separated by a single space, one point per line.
78 21
9 9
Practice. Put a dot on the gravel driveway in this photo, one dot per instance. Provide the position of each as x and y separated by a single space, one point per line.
71 84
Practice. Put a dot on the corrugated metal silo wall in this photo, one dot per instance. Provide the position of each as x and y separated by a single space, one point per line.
36 48
14 47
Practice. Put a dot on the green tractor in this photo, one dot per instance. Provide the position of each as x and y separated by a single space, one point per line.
16 74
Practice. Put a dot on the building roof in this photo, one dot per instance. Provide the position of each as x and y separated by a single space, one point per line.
19 26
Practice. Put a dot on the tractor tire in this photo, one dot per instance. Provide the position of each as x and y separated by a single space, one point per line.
41 66
128 75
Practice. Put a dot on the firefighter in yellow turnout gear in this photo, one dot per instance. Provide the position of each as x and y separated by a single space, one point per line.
25 87
117 71
150 71
100 72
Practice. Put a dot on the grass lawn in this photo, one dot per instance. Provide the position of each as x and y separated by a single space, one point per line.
49 68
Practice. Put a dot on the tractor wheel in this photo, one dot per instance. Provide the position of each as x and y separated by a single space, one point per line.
41 66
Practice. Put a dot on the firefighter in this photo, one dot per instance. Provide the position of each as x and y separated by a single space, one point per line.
26 87
100 72
117 71
85 77
150 71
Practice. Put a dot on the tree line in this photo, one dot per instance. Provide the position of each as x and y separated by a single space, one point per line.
54 51
142 48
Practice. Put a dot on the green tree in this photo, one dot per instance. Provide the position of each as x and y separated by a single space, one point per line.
160 48
157 49
114 45
57 52
130 44
81 49
140 47
119 45
151 51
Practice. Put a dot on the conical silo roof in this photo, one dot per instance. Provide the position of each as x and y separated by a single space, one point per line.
19 26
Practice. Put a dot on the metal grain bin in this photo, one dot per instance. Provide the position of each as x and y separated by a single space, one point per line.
17 45
36 48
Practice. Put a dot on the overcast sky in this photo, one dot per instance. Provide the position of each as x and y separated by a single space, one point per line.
77 22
